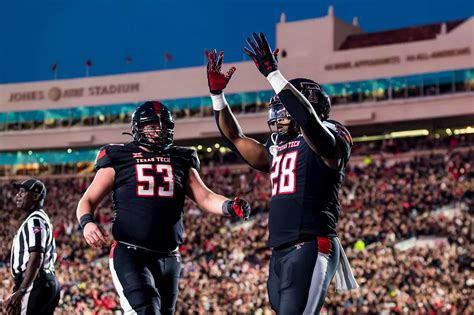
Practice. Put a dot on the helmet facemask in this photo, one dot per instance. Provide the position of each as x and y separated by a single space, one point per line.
280 121
153 127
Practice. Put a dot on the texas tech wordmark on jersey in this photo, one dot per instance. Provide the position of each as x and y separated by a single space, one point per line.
304 200
149 193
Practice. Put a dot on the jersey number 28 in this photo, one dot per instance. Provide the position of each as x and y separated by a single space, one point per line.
283 175
146 183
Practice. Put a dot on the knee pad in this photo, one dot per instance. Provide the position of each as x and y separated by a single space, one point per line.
142 296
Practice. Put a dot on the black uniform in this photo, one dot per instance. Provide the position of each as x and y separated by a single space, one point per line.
304 211
148 198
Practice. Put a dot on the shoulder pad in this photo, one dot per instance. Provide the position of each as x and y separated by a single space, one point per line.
105 156
339 129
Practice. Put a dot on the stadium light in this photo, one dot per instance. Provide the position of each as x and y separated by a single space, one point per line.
409 133
463 131
217 145
199 147
394 135
209 150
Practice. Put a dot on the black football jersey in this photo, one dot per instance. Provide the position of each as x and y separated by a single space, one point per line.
148 194
304 200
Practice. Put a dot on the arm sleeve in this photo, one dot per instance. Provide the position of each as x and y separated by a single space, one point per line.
103 158
194 161
320 138
37 234
303 113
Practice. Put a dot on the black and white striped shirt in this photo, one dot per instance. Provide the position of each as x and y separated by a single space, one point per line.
34 234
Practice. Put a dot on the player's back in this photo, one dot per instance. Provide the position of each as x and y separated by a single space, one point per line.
149 193
304 200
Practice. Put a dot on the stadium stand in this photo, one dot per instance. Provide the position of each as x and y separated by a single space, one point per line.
407 203
395 209
375 90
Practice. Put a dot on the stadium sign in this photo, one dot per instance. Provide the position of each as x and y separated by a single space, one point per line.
57 93
446 53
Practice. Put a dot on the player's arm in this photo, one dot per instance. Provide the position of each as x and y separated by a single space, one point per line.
251 151
319 138
100 187
214 203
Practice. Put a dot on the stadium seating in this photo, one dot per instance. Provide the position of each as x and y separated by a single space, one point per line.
385 201
376 90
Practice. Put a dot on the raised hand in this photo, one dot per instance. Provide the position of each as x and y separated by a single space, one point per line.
265 59
217 80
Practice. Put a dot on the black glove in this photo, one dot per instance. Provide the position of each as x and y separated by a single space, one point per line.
236 208
216 80
261 53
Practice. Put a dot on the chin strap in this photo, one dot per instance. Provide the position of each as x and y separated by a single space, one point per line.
291 133
285 137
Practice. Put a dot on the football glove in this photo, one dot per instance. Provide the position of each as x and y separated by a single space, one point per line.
217 80
265 59
236 208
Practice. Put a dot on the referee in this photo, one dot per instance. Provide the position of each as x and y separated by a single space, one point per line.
33 255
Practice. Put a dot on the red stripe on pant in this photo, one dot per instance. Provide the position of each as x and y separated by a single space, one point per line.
324 245
111 254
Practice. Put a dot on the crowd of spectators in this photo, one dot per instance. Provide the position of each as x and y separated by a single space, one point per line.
225 263
212 156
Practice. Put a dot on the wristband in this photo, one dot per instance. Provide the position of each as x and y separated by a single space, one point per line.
86 218
218 101
225 208
277 80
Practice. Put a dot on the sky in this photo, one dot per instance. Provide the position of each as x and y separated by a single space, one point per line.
36 34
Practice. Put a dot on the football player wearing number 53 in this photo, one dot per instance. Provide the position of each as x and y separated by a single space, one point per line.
149 179
305 156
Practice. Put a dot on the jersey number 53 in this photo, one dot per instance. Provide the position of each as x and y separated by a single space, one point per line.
146 186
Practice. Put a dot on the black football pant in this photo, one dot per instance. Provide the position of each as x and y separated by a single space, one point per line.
43 297
300 276
147 282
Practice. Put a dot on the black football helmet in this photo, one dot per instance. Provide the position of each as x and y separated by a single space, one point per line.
315 95
153 111
277 112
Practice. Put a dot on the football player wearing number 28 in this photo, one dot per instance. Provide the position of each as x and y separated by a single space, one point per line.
305 155
149 179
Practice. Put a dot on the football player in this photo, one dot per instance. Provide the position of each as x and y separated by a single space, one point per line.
149 179
305 155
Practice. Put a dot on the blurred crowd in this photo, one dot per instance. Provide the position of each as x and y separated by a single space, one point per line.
225 263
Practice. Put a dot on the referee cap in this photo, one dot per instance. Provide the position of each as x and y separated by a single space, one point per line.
34 185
